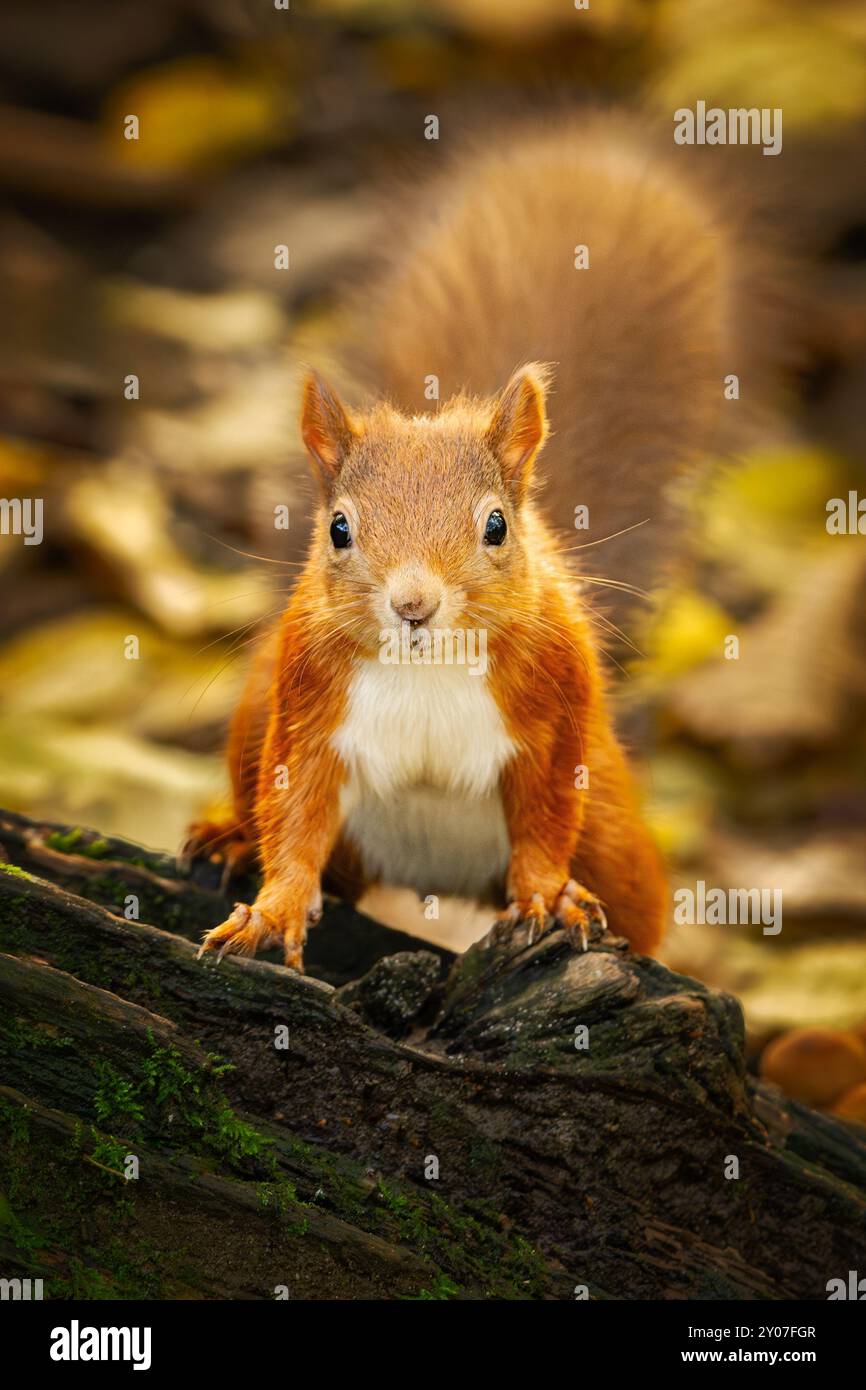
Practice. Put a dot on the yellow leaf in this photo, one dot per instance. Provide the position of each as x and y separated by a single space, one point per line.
761 56
196 113
687 629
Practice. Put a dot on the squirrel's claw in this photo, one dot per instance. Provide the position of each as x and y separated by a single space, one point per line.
580 914
531 914
577 911
535 918
241 934
248 929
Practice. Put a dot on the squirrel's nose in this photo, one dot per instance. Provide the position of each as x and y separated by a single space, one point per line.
414 608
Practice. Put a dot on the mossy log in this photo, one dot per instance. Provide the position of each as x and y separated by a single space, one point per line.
522 1122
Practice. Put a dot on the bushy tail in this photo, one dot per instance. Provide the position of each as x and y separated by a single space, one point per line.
581 242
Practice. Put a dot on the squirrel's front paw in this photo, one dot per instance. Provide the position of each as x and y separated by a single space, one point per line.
241 934
580 914
248 929
577 911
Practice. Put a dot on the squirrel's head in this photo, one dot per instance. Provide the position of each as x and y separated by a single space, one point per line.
425 518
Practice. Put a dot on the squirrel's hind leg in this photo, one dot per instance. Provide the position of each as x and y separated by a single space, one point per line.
230 837
222 840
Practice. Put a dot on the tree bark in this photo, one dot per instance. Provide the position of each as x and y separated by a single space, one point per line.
522 1122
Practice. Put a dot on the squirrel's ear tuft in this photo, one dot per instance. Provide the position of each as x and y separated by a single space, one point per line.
518 426
326 427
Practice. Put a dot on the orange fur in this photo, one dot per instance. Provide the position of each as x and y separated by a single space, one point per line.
482 275
683 286
413 488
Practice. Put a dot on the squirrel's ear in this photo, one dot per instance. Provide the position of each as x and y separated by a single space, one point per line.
326 428
518 426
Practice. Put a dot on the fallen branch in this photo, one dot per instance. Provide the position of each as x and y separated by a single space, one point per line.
519 1123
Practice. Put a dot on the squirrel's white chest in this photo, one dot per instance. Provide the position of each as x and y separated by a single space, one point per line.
424 747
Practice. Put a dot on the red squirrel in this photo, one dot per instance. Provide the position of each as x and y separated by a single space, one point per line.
508 785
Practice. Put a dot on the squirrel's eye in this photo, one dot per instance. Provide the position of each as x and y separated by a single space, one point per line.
496 530
340 533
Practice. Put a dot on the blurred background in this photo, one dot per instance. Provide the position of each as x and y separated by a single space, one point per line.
155 259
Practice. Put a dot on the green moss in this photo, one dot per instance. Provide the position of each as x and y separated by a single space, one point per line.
116 1101
14 872
281 1198
206 1116
97 849
13 934
106 888
185 915
162 864
469 1252
26 1239
470 1249
65 841
120 1269
76 841
15 1131
21 1035
48 1238
85 1282
145 983
278 1196
13 1121
175 1102
108 1151
486 1160
333 1184
168 1098
441 1288
27 922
